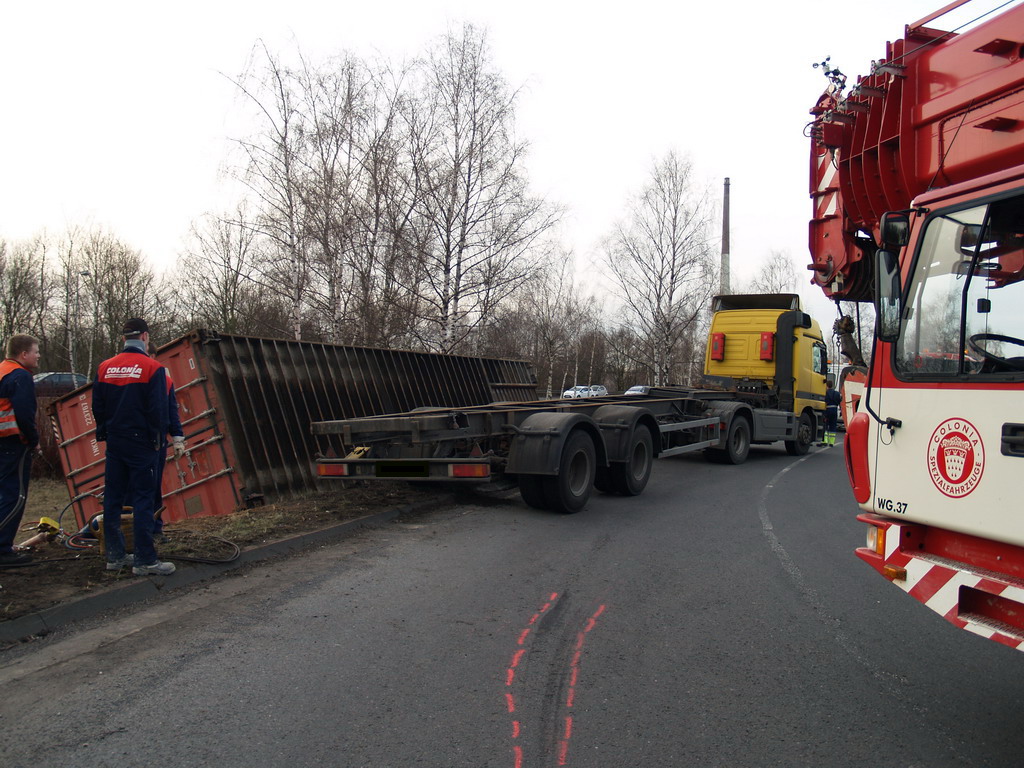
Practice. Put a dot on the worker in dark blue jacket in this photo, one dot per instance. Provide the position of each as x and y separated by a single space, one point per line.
832 402
177 434
129 401
18 439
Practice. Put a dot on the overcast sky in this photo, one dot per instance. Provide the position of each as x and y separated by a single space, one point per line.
119 114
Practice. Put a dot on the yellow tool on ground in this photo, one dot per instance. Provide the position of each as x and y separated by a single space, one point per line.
47 529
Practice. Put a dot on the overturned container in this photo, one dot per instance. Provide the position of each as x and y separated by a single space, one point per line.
246 405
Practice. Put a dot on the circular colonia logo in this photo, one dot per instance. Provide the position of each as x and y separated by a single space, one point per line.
956 457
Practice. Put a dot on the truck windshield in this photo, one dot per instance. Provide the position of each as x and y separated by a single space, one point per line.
964 314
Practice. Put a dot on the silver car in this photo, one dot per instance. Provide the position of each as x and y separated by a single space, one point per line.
578 391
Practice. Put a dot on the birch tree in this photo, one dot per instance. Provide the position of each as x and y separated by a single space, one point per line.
120 284
478 222
777 274
271 171
220 285
25 286
660 259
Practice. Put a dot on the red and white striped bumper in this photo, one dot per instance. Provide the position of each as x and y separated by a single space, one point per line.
980 600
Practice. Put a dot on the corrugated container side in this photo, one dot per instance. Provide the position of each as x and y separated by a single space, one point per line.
201 483
246 405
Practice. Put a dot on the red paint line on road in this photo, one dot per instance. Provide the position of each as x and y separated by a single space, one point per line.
570 699
563 752
510 675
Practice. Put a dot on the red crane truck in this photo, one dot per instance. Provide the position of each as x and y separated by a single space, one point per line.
917 181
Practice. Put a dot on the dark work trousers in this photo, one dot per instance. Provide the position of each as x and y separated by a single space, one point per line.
15 468
158 495
130 480
831 418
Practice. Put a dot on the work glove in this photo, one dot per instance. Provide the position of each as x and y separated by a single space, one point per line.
179 447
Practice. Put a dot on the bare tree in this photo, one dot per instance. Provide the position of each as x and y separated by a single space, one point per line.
120 284
777 274
25 287
661 260
219 285
477 220
559 316
335 100
271 172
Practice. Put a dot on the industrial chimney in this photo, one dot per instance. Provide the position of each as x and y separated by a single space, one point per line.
723 287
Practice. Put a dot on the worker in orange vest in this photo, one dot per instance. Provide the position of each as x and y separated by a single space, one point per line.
18 439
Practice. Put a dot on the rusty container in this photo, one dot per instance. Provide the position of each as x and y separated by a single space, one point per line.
246 405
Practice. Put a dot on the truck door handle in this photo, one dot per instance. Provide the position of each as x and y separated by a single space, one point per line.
1012 440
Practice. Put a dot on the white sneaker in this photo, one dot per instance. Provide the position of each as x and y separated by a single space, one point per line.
125 562
154 569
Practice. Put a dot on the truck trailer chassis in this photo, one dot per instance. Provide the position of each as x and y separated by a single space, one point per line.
557 450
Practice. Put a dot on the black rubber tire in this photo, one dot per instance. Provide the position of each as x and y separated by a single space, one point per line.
570 490
804 436
737 444
531 488
630 477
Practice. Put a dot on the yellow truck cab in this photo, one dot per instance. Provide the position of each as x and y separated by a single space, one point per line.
770 352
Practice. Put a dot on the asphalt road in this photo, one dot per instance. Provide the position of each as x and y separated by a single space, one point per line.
720 619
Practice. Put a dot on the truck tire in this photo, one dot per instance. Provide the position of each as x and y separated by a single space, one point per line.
804 436
570 490
531 488
630 477
737 444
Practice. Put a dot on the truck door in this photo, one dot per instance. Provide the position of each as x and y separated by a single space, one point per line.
957 372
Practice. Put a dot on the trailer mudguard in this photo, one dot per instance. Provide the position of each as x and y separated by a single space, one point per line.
537 446
617 424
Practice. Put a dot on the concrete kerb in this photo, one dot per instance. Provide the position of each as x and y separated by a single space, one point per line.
142 588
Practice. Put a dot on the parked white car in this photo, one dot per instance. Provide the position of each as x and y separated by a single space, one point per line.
596 390
639 389
578 391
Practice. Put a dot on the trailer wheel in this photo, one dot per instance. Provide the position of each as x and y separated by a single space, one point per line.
737 444
531 488
804 436
630 478
570 490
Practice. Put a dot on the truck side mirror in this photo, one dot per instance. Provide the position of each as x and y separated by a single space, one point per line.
887 296
895 229
969 238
